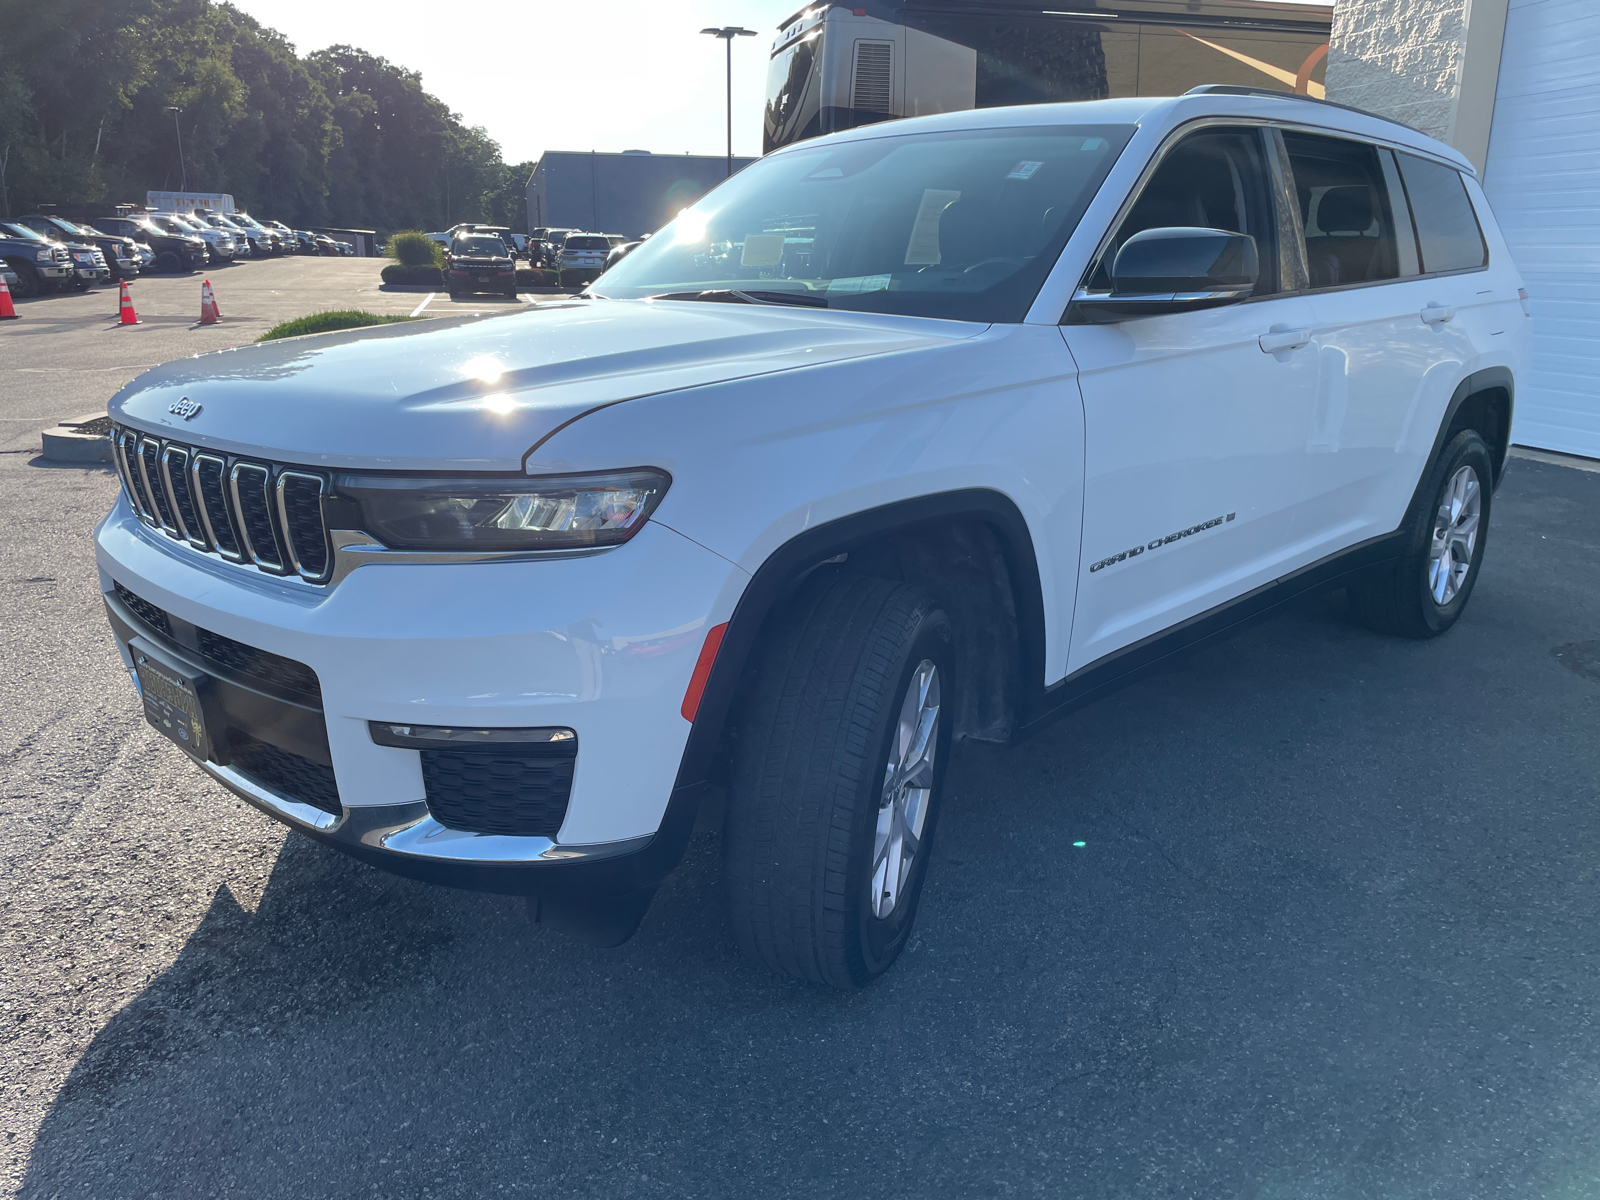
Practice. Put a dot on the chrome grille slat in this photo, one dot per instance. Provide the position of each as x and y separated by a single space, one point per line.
150 476
119 453
175 476
208 475
250 484
258 515
304 537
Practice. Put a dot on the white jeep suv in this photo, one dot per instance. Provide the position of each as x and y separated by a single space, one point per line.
924 431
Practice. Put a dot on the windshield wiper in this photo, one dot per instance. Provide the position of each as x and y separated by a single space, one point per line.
739 296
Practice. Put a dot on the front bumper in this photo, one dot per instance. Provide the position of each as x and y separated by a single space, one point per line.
604 644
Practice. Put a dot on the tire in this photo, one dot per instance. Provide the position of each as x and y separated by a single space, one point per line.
168 263
28 282
1423 592
804 861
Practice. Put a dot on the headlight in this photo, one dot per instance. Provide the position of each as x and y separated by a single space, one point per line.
550 512
42 256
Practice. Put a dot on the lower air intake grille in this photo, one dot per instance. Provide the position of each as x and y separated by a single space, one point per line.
152 616
286 773
499 789
284 673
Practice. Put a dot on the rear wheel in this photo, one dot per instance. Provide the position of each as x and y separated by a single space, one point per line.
837 781
1424 591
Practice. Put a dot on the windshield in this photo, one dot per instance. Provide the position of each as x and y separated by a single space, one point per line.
794 91
586 243
23 231
492 246
963 225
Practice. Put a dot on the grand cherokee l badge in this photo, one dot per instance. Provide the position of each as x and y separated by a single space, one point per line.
1157 543
185 408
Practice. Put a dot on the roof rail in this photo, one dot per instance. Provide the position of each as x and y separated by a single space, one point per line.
1234 89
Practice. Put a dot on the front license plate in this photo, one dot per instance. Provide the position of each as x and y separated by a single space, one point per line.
171 695
485 278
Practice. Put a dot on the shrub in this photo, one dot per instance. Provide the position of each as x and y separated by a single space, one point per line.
395 273
432 276
328 322
535 277
413 249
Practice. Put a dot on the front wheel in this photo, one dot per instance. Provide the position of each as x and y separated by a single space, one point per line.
837 781
29 283
1423 592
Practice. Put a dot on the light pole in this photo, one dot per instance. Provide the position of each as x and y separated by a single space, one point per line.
727 34
175 110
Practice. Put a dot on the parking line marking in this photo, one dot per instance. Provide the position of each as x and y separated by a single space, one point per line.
417 311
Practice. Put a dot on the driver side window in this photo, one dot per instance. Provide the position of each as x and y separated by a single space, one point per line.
1214 179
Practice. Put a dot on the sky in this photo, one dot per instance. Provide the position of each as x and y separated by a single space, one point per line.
603 75
564 94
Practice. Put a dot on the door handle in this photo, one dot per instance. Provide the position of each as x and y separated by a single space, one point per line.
1437 314
1279 338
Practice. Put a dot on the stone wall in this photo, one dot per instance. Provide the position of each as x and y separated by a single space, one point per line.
1400 59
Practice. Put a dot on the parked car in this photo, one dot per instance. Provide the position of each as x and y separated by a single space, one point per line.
39 265
117 253
479 262
221 246
291 244
554 238
171 251
537 247
88 265
270 239
1032 398
249 241
583 257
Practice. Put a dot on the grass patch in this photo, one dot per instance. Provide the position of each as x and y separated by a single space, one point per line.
328 322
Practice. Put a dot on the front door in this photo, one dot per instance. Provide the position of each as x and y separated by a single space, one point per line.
1196 423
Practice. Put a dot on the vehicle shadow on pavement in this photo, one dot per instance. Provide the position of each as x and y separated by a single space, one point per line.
1304 949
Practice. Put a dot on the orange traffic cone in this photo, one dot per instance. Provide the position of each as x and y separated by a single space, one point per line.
8 311
208 305
129 317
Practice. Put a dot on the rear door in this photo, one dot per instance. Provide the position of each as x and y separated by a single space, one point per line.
1393 337
1195 423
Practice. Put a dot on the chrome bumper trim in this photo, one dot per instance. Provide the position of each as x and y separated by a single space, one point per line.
409 830
291 812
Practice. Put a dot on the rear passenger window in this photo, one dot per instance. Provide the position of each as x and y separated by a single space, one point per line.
1344 208
1448 234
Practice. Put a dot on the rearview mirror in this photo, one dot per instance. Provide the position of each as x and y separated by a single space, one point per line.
1176 269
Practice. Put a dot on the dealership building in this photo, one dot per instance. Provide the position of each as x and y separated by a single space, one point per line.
632 193
1513 85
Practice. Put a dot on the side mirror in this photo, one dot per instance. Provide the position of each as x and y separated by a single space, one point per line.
1171 270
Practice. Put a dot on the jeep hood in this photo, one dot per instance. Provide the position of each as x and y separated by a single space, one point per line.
477 393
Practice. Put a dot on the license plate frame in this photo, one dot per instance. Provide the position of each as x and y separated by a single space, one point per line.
175 698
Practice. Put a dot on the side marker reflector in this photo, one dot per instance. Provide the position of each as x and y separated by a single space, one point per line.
702 671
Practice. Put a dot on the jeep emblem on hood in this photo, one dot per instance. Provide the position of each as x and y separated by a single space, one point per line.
185 408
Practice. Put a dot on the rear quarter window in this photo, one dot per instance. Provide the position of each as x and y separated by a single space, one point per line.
1448 235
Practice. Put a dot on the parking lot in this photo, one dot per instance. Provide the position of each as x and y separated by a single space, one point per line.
1331 931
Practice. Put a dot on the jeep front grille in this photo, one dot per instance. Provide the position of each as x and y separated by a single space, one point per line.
260 514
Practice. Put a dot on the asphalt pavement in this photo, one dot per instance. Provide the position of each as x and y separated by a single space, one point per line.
1332 931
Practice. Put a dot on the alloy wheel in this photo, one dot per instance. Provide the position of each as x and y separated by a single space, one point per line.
907 787
1455 535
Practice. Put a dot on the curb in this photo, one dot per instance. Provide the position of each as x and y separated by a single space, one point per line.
65 444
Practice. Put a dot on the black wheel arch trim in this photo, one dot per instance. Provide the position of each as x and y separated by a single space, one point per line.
1490 379
794 558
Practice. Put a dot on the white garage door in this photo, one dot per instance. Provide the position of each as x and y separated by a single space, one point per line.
1543 178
